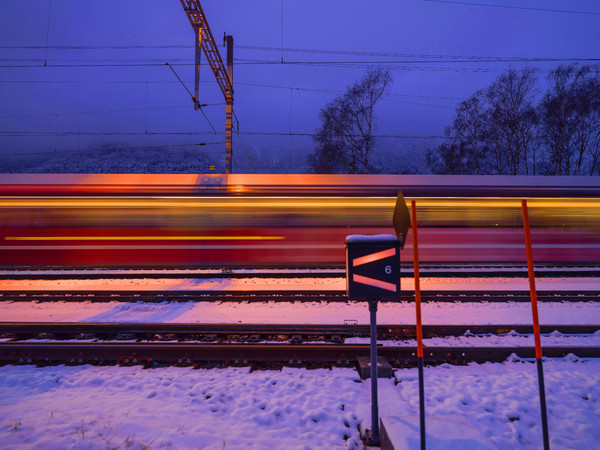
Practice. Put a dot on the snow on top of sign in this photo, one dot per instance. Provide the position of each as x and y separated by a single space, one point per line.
371 239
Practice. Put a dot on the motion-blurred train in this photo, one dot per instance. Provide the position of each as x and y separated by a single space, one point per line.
212 221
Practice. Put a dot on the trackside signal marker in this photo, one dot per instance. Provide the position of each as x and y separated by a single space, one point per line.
536 324
373 257
373 282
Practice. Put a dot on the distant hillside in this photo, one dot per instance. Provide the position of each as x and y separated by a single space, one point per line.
194 160
114 160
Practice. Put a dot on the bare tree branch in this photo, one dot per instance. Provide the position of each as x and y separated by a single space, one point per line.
345 139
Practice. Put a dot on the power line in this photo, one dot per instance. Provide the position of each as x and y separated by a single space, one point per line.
285 49
101 82
189 133
97 112
152 62
94 47
517 7
247 153
339 91
97 60
194 99
336 65
342 65
281 32
427 61
75 113
47 31
423 59
297 88
237 132
316 90
409 56
36 66
391 136
103 133
367 65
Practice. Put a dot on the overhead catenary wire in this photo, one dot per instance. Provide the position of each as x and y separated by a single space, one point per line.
194 133
422 61
346 65
75 113
282 31
47 31
156 62
277 49
102 82
246 150
565 11
296 88
339 91
194 99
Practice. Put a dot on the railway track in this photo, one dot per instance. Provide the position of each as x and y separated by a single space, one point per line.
284 296
251 333
210 345
259 355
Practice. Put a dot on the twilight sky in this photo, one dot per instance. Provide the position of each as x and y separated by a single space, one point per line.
105 79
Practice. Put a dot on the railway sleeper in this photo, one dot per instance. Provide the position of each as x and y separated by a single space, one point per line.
209 338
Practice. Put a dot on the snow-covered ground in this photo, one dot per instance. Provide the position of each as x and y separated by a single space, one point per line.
300 312
129 407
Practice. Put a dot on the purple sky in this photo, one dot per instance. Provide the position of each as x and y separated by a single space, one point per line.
270 98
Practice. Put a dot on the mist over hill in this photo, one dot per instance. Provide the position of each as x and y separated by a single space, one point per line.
113 160
122 159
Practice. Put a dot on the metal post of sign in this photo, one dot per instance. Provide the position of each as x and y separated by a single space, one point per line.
372 274
419 327
374 438
536 324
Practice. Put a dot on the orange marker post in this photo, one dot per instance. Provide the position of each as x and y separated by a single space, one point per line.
415 244
536 324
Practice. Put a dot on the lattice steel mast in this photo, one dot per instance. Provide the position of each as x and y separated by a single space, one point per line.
205 41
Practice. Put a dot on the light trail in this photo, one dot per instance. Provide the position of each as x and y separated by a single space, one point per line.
143 238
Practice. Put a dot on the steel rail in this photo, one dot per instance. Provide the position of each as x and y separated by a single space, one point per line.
259 355
284 296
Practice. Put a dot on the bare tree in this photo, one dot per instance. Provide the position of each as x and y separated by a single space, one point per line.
469 132
593 142
494 131
587 132
502 130
512 121
570 112
557 112
345 139
450 159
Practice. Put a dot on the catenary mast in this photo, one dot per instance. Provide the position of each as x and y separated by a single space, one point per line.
204 40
